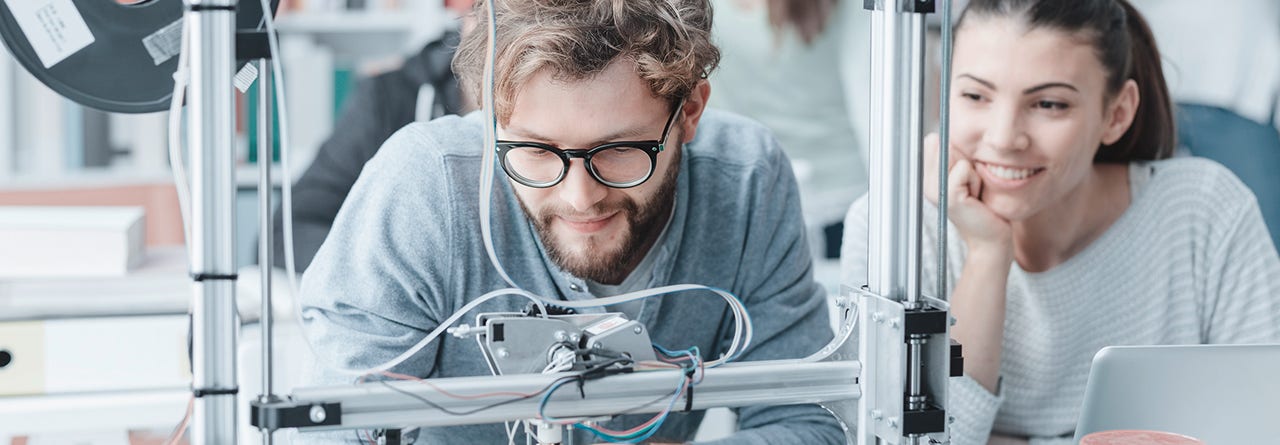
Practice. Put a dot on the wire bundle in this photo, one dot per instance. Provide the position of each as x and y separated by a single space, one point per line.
689 361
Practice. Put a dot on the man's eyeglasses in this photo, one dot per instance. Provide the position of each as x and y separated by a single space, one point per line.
616 164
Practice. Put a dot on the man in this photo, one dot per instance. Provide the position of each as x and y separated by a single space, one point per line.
709 198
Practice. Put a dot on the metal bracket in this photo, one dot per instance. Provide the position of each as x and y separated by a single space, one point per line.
884 363
841 349
287 414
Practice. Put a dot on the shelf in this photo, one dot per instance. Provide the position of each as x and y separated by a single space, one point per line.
365 35
346 22
92 411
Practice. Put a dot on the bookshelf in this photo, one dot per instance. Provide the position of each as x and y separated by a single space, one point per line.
49 142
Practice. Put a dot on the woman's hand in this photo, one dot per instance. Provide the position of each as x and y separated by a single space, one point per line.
978 299
981 228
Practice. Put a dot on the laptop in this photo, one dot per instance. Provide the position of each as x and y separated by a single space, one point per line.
1220 394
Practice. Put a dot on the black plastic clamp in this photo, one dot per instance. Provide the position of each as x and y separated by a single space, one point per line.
913 6
276 415
957 359
920 6
924 421
927 321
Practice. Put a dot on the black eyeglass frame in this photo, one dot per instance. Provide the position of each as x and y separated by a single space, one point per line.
651 148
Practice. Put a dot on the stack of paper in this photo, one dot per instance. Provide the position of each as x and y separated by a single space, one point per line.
159 285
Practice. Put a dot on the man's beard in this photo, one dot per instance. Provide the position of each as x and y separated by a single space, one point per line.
611 264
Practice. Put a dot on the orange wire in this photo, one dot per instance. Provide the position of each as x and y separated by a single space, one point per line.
182 426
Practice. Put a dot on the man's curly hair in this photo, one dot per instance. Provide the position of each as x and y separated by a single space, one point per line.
669 41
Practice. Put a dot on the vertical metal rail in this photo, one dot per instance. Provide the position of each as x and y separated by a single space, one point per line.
915 154
265 158
891 269
896 182
214 327
944 147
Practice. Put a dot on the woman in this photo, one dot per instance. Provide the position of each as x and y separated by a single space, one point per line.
1070 229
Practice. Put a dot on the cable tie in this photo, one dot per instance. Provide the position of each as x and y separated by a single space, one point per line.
213 276
688 399
197 8
201 392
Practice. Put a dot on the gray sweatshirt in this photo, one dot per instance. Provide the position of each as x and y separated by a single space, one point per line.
406 252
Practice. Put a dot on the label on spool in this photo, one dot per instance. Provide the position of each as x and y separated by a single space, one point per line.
55 28
165 43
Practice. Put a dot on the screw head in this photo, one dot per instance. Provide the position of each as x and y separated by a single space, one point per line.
893 422
876 414
638 330
317 414
561 335
503 353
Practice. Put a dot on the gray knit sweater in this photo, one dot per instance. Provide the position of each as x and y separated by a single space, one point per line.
1188 262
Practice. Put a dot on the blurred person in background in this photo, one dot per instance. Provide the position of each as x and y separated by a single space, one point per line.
802 68
422 88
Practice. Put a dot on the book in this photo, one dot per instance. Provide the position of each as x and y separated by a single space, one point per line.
53 241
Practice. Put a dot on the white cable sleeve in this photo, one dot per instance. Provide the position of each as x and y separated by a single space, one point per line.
440 329
286 183
177 162
490 144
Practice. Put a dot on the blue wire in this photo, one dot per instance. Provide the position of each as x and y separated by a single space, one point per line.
638 436
642 435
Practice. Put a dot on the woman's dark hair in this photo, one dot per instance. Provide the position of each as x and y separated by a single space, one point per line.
1125 46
